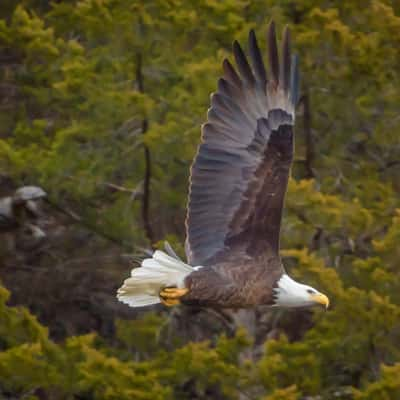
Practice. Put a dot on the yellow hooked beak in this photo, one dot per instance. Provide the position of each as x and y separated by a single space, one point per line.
320 299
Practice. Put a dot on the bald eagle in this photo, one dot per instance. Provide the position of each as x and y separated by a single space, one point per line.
237 188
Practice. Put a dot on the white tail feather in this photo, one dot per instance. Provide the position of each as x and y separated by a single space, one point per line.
142 288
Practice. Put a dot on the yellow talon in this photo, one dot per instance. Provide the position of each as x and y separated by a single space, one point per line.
170 296
169 302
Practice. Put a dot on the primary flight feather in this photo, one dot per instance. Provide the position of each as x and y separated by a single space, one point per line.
237 188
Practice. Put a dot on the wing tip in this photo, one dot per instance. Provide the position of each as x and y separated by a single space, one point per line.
230 73
286 60
241 61
257 59
273 56
271 26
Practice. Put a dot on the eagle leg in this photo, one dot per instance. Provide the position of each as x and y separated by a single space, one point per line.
170 296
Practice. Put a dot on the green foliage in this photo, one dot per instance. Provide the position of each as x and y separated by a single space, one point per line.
17 325
72 119
140 338
387 388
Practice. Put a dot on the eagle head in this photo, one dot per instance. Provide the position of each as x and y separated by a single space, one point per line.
289 293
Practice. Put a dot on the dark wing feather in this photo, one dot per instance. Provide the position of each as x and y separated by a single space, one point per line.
285 66
243 65
239 176
257 61
273 54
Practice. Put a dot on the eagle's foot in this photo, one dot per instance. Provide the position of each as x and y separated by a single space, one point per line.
170 296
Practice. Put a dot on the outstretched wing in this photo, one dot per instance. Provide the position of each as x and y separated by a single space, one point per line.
239 176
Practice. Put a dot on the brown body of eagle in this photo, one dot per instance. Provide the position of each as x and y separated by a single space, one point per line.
236 283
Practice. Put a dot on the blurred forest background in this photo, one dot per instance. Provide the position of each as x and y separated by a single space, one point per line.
101 103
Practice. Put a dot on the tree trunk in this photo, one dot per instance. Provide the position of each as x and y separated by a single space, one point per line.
147 161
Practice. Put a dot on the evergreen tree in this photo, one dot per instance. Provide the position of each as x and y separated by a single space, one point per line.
101 104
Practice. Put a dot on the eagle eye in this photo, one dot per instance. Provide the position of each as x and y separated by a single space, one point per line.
310 291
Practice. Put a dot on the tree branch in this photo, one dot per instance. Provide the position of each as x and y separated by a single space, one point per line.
147 160
78 219
118 188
